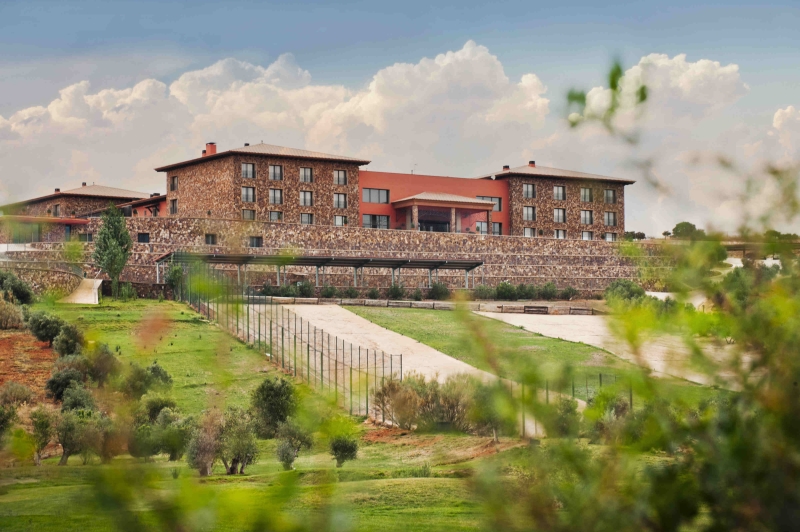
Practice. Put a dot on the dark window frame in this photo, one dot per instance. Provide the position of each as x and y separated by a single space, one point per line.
306 198
340 177
368 194
248 194
275 172
306 178
306 221
211 239
276 193
337 200
244 216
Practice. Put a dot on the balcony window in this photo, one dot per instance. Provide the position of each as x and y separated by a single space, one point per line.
340 201
610 196
340 177
529 232
529 214
306 176
560 234
248 170
587 235
173 206
248 214
275 172
339 221
276 196
275 216
374 221
56 210
528 191
611 237
611 219
586 195
587 217
248 194
306 198
560 216
307 219
559 193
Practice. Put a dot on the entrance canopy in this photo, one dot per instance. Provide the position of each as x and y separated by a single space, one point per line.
441 199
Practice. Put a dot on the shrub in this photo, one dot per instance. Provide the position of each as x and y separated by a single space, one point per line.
567 419
305 289
76 362
58 383
152 405
373 293
506 291
127 292
396 291
399 403
286 455
329 292
43 422
238 447
76 397
351 292
568 293
204 445
287 290
548 291
102 364
171 433
45 327
69 341
174 278
14 394
18 289
158 374
439 292
268 290
294 438
139 380
416 295
273 402
624 290
343 448
484 292
526 291
141 442
10 316
8 415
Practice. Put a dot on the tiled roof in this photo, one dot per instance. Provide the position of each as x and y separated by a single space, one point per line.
101 191
270 149
442 196
543 171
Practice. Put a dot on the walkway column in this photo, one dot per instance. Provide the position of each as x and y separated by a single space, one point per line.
489 223
452 219
415 218
317 276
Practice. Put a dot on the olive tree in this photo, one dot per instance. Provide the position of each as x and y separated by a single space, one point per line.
112 246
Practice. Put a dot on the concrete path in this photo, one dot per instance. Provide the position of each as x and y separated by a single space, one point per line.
666 356
87 293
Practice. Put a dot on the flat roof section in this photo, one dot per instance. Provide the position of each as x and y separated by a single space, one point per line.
337 262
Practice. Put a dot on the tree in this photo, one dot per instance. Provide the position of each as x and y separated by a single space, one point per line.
69 433
142 443
343 448
273 402
174 278
172 433
76 397
666 234
8 415
204 445
688 230
623 290
152 405
19 291
69 341
43 422
139 380
45 327
58 383
102 364
112 246
294 438
238 446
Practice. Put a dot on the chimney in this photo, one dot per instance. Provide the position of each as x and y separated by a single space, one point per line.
155 194
506 167
204 153
532 164
83 184
246 144
58 190
211 148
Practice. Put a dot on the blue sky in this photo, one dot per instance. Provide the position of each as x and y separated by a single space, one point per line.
46 47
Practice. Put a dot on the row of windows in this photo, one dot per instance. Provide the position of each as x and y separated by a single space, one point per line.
560 193
276 197
560 216
561 234
305 174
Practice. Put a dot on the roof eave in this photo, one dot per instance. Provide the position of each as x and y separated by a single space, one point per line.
219 155
501 175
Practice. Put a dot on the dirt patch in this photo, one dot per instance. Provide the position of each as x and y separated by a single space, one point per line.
386 435
598 358
25 360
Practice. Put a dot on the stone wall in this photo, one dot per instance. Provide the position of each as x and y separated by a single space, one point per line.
545 204
69 204
43 279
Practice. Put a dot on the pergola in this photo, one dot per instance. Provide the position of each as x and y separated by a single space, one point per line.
357 263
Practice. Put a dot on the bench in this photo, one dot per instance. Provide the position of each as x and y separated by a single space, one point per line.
536 309
581 311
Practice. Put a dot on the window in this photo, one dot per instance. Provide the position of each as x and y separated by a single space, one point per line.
275 172
306 198
559 216
498 202
173 206
528 191
586 195
610 196
211 240
143 238
85 237
559 193
587 235
275 216
529 214
375 221
248 214
560 234
375 195
611 219
529 232
256 242
173 183
481 227
340 221
307 219
340 201
248 194
340 177
611 237
276 196
56 210
248 170
306 176
587 217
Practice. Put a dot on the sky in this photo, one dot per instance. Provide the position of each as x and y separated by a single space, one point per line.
106 91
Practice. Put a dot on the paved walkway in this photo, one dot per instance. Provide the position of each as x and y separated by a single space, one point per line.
87 293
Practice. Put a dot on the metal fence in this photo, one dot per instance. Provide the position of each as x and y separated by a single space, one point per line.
348 373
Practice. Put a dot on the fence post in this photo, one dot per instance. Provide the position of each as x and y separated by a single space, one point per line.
601 381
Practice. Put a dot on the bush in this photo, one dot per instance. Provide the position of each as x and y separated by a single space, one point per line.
102 364
139 380
204 445
506 291
396 291
351 292
45 327
14 394
416 295
58 383
548 291
273 402
76 397
127 292
287 290
567 419
373 293
526 291
294 438
18 290
305 289
329 292
483 292
568 293
286 455
439 292
238 446
141 442
10 316
159 375
623 290
8 415
152 405
76 362
174 278
343 448
69 341
171 433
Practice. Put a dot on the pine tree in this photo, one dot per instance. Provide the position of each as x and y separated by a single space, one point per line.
113 246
